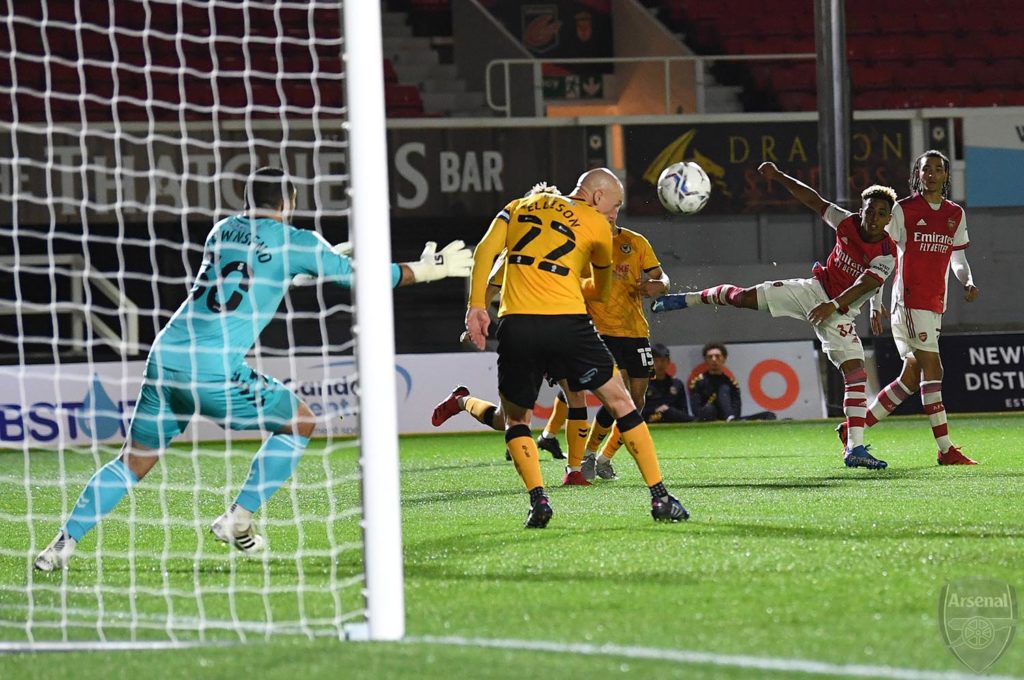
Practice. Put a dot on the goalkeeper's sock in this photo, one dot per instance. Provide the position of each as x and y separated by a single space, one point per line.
271 467
101 494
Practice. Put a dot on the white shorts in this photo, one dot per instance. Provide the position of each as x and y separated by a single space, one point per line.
796 298
914 329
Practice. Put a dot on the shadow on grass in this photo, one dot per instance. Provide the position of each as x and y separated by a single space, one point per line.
754 530
458 495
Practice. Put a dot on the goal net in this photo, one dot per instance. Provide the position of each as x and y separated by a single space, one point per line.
129 130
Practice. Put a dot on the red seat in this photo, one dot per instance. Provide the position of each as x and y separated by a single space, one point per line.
403 101
932 46
797 101
1000 73
897 21
984 98
939 98
390 74
865 77
858 21
1004 46
933 21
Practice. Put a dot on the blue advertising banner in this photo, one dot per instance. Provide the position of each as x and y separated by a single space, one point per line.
981 372
994 155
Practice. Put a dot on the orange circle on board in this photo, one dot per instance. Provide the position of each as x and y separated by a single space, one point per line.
763 368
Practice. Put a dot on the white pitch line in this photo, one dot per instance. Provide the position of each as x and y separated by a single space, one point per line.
99 646
762 663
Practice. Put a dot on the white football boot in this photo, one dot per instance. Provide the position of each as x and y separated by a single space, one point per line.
57 554
233 530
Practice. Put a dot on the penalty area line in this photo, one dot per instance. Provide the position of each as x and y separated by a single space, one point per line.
761 663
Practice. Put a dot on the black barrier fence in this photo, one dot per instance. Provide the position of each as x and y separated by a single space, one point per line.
981 372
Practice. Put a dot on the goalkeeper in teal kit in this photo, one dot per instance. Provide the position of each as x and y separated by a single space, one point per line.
197 362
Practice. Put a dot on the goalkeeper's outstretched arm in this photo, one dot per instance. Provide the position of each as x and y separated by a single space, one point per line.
454 260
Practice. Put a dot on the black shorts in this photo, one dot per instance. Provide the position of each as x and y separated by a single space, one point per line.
632 355
562 346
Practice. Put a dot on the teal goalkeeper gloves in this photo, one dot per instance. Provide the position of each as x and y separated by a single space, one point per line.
455 259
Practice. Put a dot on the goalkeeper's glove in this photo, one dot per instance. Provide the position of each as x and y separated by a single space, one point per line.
344 249
455 259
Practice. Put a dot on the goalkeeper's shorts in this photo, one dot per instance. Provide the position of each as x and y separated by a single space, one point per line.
246 400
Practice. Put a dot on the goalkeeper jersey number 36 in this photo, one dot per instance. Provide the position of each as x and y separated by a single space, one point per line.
248 265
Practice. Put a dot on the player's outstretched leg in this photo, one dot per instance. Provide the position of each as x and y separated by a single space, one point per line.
669 303
449 406
722 295
101 494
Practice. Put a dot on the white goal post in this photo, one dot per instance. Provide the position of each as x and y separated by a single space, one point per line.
132 129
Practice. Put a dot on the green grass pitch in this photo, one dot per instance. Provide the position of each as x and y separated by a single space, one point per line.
789 556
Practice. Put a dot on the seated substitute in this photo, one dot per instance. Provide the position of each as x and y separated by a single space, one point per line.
715 392
666 394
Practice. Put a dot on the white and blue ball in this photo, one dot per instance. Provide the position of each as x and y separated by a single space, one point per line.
684 188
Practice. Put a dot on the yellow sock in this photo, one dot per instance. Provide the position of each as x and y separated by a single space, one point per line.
637 439
612 443
597 433
524 454
483 411
576 431
559 412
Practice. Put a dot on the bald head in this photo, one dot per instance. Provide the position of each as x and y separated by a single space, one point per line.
598 178
602 190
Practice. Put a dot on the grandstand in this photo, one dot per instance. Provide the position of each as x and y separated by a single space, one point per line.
129 127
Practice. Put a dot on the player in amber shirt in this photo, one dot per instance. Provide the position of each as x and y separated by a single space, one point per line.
544 328
620 320
930 232
861 260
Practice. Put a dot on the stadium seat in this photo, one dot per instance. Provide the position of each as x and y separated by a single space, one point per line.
984 98
403 101
390 74
866 77
936 22
1004 46
798 101
999 73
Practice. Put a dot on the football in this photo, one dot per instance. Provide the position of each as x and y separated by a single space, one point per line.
684 188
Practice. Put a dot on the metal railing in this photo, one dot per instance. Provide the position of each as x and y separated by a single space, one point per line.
699 62
125 340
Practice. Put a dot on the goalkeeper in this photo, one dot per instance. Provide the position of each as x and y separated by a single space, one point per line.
197 362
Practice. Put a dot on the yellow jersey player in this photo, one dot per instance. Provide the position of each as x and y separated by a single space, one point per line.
620 320
544 328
